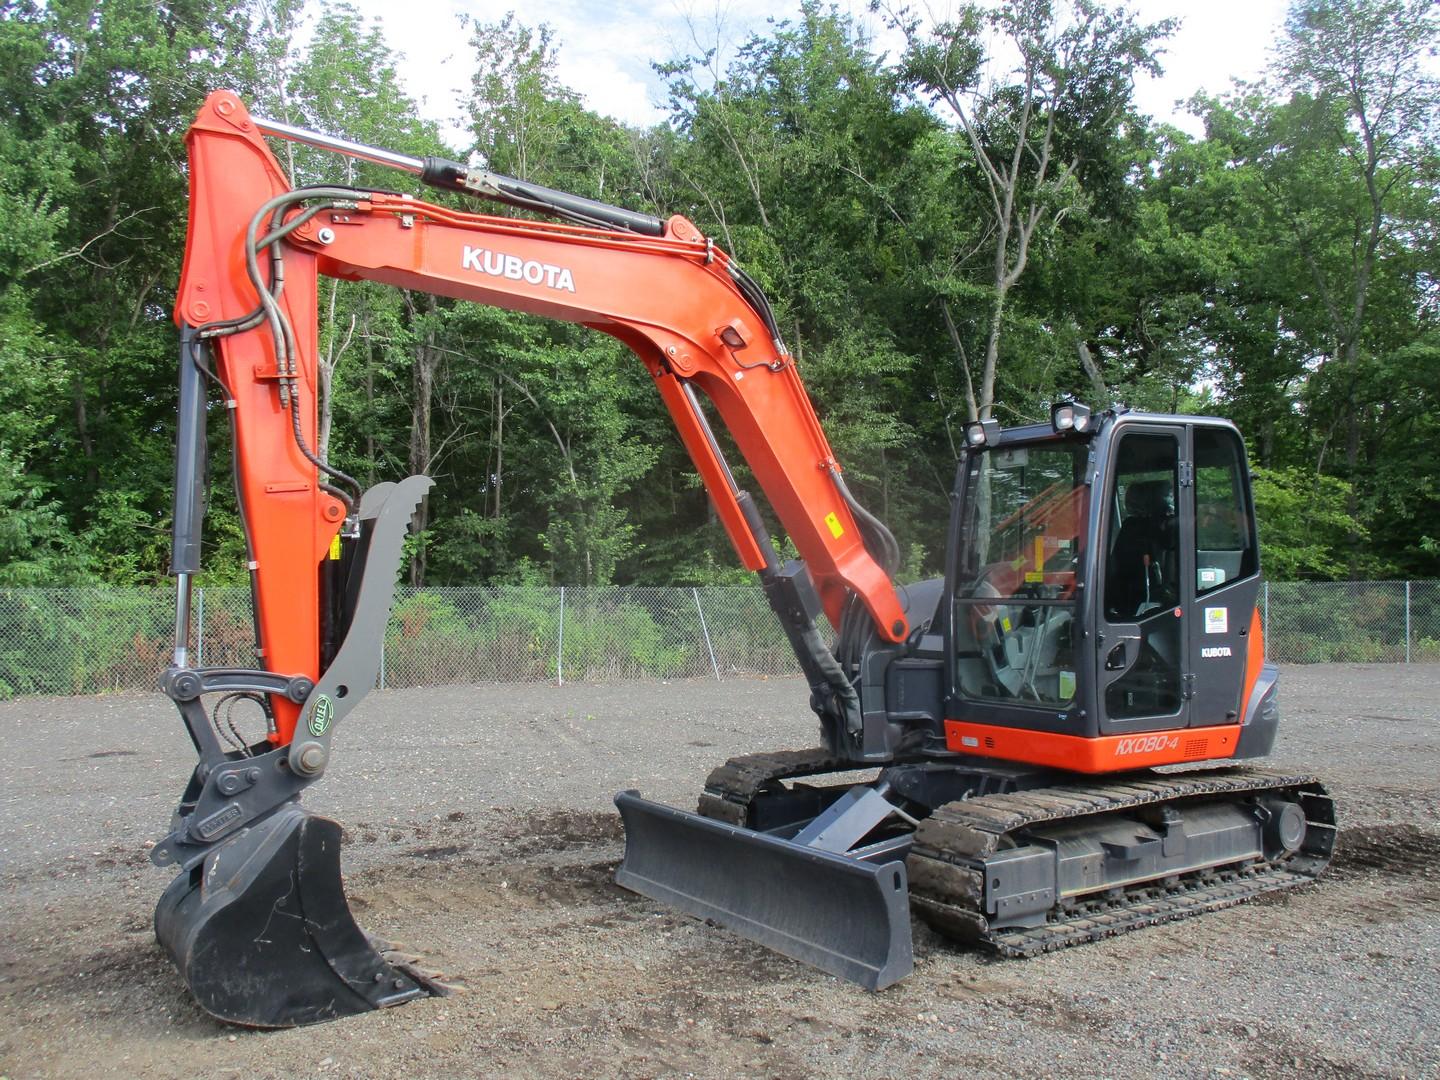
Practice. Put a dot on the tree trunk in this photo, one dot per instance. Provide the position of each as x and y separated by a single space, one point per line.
1091 369
369 409
1352 500
499 444
884 486
82 426
992 353
422 389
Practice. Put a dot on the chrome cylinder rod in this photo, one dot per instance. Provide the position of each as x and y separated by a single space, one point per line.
340 146
704 422
183 588
454 176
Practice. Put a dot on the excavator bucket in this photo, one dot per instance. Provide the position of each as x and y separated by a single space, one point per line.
835 912
262 934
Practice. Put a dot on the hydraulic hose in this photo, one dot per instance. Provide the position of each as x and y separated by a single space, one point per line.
879 540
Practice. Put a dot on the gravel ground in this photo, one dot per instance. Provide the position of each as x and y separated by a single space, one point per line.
481 834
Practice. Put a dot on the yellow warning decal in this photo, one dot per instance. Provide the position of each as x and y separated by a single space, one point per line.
836 529
1033 577
1039 553
335 546
1005 623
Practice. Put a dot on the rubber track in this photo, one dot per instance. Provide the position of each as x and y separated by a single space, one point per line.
945 864
947 880
730 788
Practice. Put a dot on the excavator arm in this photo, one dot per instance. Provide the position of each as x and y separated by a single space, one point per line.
323 555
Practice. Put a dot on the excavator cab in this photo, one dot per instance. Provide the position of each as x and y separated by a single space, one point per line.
1096 575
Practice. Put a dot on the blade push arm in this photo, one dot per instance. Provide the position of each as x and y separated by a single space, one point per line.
672 298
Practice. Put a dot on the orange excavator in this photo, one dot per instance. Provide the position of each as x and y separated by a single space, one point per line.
1096 619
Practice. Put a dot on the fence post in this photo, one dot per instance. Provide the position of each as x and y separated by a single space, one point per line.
706 631
1407 621
1265 617
560 646
200 627
384 640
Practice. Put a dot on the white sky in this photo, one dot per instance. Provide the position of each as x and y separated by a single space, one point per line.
605 48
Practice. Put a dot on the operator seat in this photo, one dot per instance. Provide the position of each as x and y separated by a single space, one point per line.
1135 583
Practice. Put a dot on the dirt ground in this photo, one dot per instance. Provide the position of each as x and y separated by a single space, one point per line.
481 834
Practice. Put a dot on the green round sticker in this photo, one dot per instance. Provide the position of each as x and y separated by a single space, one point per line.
320 715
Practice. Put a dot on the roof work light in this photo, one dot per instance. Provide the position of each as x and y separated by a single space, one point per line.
1069 416
980 433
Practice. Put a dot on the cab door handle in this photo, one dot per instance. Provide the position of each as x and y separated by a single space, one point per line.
1120 657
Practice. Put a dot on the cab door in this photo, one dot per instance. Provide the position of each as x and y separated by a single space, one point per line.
1226 578
1145 562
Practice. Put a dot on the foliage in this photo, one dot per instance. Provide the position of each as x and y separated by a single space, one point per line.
1039 137
75 640
514 633
1304 524
941 232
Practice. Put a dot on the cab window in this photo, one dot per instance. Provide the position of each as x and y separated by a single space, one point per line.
1224 527
1022 529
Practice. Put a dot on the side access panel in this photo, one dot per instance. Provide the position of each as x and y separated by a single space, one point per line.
839 914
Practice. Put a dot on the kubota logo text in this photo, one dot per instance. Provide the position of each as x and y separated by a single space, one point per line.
498 264
1145 744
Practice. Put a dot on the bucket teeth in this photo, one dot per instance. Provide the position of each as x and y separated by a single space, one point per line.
263 936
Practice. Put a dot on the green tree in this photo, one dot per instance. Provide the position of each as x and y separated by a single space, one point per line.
1305 527
803 160
1304 228
94 102
1357 70
1030 130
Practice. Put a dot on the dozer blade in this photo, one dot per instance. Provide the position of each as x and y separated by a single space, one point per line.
263 936
839 914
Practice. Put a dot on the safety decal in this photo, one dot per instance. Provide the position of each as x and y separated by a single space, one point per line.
335 547
320 716
836 529
1217 620
1067 685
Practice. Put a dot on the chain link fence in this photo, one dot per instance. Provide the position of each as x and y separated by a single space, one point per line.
1317 622
80 641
